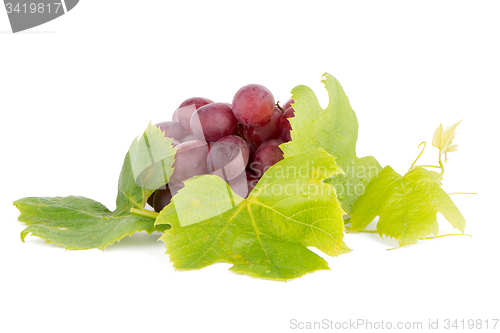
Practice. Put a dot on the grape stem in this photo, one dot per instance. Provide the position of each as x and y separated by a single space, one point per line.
279 107
144 213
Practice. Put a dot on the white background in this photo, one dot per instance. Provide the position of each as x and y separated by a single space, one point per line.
75 92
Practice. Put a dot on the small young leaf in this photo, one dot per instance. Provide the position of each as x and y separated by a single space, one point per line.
80 223
334 129
266 235
406 206
149 160
443 139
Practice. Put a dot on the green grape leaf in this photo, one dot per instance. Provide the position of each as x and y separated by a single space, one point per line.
265 235
79 223
406 206
335 129
352 184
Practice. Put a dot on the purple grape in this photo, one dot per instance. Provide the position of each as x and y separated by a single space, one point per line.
285 125
161 199
253 105
171 129
288 104
190 160
267 155
212 122
163 196
228 157
269 131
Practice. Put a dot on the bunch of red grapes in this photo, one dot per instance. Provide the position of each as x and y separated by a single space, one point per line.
237 142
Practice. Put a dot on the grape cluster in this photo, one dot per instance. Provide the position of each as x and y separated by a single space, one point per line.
237 142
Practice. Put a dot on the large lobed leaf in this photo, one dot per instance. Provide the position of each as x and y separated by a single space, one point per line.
335 129
81 223
406 206
265 235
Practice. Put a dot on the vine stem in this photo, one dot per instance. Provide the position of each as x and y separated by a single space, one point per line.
365 231
426 166
432 237
462 193
144 213
442 169
422 143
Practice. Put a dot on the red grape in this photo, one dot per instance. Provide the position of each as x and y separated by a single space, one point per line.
189 137
267 155
252 180
171 129
251 150
228 157
190 160
183 116
253 105
285 125
213 122
269 131
239 185
198 102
